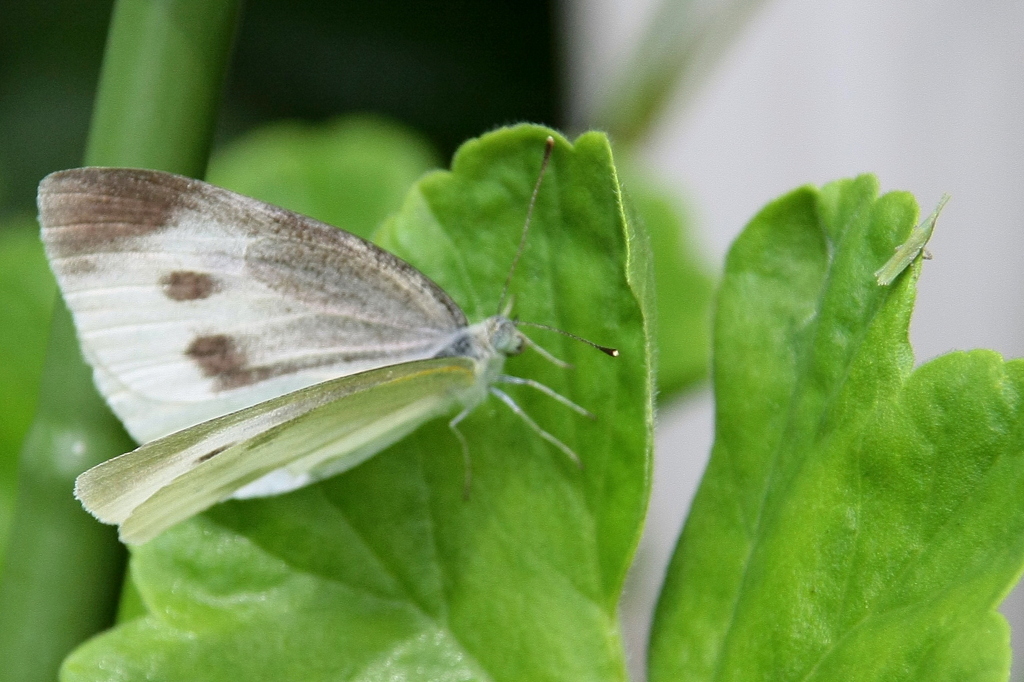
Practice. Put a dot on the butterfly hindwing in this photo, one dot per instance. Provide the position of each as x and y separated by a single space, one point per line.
192 301
274 446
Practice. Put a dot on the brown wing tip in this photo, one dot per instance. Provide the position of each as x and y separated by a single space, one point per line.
106 180
79 179
104 208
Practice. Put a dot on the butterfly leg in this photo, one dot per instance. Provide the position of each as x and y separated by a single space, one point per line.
546 390
467 464
544 353
505 398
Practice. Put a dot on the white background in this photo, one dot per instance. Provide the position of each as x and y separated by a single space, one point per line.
927 95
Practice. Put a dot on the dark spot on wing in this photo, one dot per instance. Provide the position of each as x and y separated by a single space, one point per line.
185 285
221 358
95 210
216 354
224 359
212 453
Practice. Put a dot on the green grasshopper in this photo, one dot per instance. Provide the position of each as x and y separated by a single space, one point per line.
911 248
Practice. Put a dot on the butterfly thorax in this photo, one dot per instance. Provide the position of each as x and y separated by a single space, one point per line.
488 342
496 335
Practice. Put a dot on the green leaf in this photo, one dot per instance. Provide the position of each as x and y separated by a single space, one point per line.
386 572
351 173
26 297
683 288
859 519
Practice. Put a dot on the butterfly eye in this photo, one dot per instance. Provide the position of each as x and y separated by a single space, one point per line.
517 346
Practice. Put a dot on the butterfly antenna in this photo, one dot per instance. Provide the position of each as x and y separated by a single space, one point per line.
613 352
549 145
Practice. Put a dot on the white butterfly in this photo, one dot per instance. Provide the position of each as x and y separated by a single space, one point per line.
311 348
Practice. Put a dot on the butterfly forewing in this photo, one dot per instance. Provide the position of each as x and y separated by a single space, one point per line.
309 434
192 301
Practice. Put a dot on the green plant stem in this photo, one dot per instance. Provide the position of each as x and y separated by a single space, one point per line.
162 76
60 582
684 40
155 108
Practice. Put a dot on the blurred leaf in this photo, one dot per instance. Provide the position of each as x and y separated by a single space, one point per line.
386 572
351 173
859 519
26 297
683 288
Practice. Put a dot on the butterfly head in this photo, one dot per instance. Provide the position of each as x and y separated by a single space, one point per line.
504 336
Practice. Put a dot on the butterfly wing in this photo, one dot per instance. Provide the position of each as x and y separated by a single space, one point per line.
192 301
309 434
